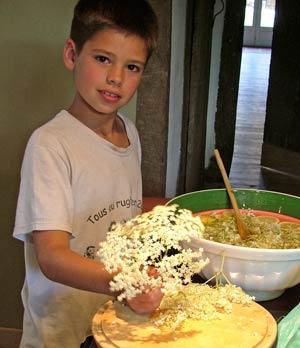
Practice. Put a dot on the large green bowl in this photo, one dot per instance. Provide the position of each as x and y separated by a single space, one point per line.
263 273
255 199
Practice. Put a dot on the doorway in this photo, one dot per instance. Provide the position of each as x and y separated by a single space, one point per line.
259 22
280 160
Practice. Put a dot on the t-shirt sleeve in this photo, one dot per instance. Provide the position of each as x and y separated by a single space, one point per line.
45 196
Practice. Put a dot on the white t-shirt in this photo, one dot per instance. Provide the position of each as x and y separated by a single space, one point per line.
71 180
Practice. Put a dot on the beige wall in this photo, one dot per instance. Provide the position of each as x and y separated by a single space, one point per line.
34 85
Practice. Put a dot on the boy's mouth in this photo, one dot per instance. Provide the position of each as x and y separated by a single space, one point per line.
109 96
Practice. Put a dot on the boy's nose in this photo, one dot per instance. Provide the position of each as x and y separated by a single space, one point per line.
115 76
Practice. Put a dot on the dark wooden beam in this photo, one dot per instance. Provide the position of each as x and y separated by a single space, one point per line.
153 106
231 53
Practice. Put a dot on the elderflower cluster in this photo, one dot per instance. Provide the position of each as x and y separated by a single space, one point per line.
199 301
152 240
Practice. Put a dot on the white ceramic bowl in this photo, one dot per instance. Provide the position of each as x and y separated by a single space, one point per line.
263 273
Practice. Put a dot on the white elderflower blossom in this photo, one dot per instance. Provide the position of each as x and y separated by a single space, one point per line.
208 303
152 239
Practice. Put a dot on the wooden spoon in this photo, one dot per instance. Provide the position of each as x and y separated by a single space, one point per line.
243 231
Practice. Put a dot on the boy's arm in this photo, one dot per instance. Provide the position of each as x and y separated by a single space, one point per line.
60 264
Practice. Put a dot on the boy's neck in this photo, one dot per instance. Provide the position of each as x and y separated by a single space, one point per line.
108 127
92 119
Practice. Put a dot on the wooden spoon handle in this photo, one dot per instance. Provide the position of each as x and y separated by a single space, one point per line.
241 228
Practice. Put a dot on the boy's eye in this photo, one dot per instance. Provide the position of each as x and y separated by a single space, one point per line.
102 59
133 67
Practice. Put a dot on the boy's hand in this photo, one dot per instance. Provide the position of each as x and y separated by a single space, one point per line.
146 302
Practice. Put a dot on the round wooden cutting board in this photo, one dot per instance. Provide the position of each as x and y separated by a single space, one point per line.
248 326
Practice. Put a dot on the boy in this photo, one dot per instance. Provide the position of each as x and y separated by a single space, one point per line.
81 172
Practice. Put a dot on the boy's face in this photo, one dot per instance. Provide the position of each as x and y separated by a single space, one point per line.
107 71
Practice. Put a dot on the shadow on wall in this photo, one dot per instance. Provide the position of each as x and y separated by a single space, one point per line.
34 86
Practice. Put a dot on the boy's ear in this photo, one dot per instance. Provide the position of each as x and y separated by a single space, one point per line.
69 54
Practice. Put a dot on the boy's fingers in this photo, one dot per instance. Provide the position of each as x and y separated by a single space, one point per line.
146 302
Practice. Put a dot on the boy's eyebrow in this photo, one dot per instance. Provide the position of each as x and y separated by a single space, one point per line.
135 61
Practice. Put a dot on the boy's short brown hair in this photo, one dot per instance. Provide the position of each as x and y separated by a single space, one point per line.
132 16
